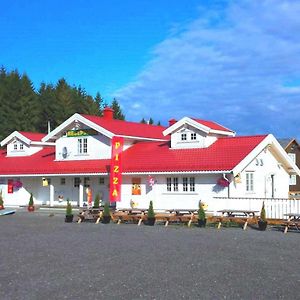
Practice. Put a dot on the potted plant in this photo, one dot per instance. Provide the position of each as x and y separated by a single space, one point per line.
150 215
30 207
201 216
262 222
106 214
97 201
69 213
1 201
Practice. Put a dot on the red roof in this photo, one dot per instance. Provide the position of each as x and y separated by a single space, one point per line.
119 127
212 125
223 155
33 136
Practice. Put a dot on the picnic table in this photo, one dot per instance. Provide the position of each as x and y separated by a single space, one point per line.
236 214
90 213
130 214
293 220
183 215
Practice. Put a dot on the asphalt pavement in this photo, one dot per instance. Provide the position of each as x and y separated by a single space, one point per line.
42 257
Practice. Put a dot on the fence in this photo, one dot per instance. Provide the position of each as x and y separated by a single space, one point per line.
276 208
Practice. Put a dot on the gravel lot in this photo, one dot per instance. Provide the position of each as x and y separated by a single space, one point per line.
41 257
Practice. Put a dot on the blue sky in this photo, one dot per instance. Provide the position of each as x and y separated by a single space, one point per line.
234 62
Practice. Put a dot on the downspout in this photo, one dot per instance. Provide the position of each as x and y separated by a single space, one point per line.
228 191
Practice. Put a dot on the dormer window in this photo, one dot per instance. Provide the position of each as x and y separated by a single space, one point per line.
193 136
15 147
183 136
21 146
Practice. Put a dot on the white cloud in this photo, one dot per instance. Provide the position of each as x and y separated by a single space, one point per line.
229 65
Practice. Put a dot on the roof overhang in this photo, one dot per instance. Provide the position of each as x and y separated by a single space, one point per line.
76 118
197 125
273 145
15 135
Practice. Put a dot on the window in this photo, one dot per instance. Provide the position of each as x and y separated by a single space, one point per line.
169 184
292 156
21 146
185 184
82 146
188 184
249 181
183 136
76 182
15 146
293 180
193 136
192 184
86 181
101 180
175 184
62 181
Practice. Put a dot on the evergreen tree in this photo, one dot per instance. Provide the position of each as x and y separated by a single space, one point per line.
158 123
151 121
143 121
100 103
117 110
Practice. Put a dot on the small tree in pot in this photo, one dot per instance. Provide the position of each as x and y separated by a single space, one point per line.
30 204
97 201
69 212
201 216
262 222
150 215
1 201
106 214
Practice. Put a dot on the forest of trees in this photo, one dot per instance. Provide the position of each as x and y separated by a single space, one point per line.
23 108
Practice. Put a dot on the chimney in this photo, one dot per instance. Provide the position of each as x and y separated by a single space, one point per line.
172 122
108 113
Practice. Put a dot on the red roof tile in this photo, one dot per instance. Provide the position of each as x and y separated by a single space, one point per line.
126 128
223 155
33 136
212 125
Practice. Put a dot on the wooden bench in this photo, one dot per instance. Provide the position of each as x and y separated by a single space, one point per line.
90 214
292 221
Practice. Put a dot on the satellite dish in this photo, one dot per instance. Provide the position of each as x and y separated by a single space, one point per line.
64 152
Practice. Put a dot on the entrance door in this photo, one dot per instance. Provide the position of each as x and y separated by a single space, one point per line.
270 186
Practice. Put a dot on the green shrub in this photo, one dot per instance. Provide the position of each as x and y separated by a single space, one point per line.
1 198
151 214
69 211
97 201
106 210
30 200
263 212
201 212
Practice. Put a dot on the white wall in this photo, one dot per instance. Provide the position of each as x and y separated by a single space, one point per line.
41 193
202 139
27 150
205 189
262 178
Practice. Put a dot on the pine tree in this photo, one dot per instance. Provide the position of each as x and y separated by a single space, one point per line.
151 121
117 110
143 121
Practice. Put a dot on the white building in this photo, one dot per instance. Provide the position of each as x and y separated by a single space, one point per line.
191 160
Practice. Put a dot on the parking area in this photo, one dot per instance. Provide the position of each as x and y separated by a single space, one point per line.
41 256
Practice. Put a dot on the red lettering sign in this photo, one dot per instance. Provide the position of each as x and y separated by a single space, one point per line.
116 169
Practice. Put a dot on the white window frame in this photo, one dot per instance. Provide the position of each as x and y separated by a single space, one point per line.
292 156
172 184
21 147
193 136
250 182
293 179
184 137
82 147
15 146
